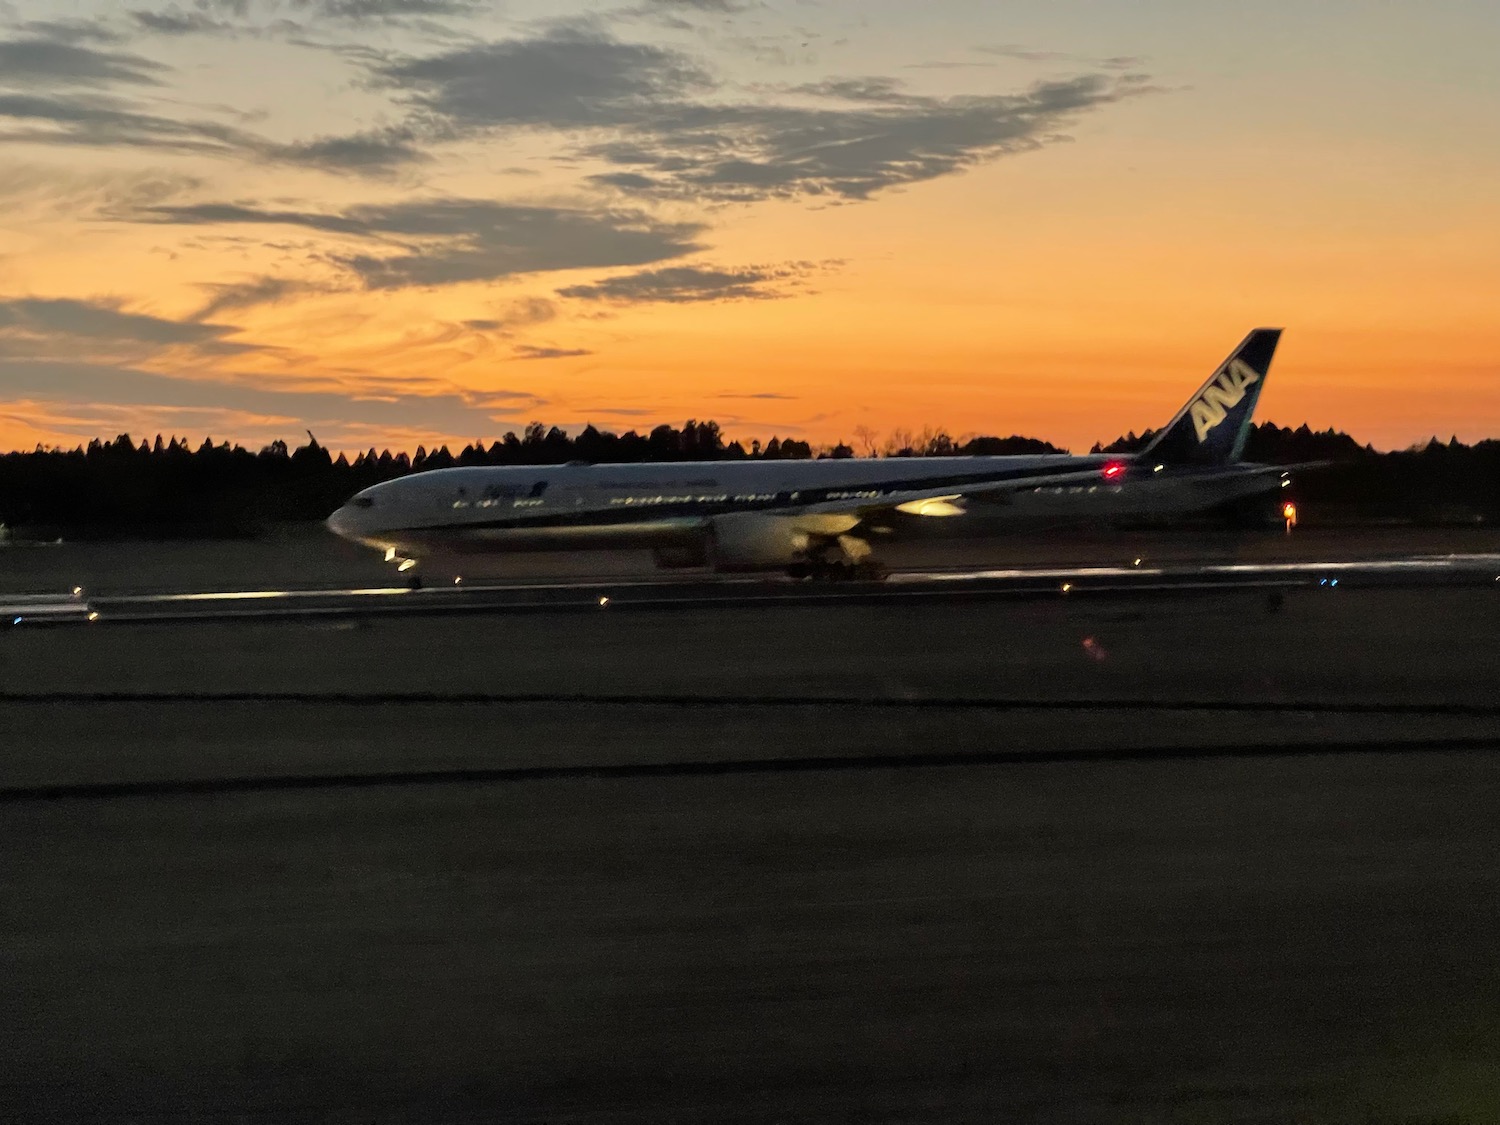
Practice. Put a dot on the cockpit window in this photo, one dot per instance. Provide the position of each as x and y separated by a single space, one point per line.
363 502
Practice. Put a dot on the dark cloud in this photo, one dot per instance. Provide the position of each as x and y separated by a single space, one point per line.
300 21
62 93
684 285
530 351
569 77
672 135
465 239
876 138
36 326
97 120
42 61
626 181
666 128
214 214
374 150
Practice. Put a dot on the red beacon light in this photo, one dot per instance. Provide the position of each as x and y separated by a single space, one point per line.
1114 470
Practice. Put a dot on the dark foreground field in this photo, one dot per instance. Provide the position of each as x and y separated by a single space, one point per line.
1188 859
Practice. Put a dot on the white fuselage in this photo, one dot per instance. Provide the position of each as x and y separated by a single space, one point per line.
676 505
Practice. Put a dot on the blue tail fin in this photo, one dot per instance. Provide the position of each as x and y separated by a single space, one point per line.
1211 429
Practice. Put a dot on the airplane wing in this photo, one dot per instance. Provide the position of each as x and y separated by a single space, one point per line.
929 501
948 500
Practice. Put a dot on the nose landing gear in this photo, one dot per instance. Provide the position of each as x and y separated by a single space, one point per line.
408 567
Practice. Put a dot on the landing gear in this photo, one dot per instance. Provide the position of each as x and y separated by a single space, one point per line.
407 567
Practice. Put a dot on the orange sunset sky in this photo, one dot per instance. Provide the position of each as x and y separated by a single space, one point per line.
396 222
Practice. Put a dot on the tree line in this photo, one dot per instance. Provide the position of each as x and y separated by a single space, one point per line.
168 487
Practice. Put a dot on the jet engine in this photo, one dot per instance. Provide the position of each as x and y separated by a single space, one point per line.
751 541
804 545
680 556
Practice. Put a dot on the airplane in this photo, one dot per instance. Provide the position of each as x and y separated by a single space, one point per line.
815 518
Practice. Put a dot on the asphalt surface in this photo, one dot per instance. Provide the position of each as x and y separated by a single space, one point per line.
1197 855
310 558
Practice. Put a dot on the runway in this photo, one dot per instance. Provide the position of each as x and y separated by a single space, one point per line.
704 593
1177 844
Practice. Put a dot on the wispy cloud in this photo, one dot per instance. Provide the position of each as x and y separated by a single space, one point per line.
175 21
69 31
61 60
235 16
57 90
103 398
532 351
683 14
448 241
1029 54
61 190
642 143
880 138
39 327
689 284
225 297
676 135
78 119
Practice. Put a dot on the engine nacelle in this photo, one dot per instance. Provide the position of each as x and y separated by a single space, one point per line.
684 556
750 541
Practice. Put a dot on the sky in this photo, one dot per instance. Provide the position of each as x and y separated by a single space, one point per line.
403 222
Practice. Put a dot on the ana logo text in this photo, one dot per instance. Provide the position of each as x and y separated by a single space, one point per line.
1222 395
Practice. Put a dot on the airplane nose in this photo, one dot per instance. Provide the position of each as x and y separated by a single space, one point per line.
341 523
